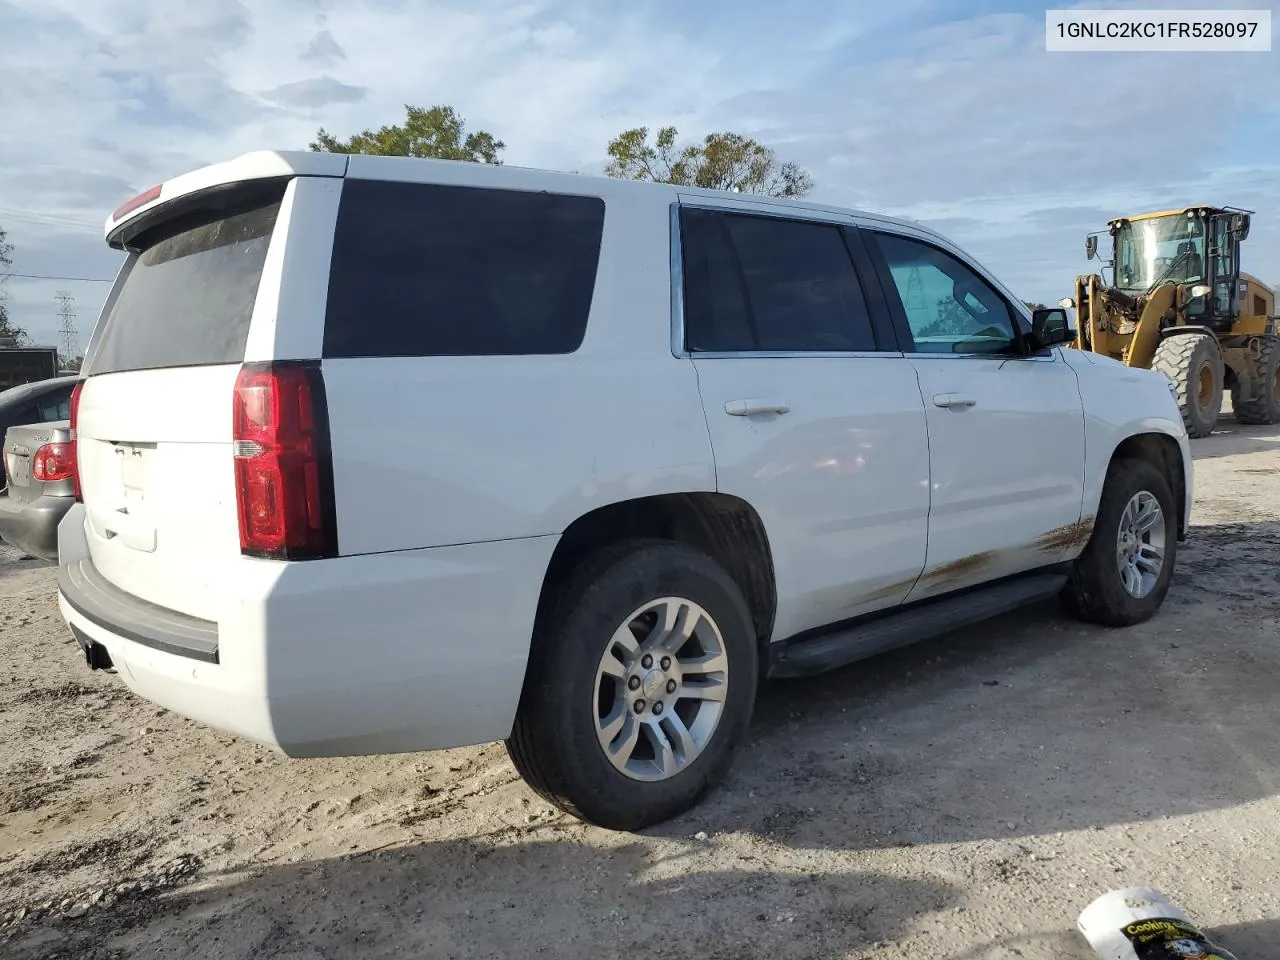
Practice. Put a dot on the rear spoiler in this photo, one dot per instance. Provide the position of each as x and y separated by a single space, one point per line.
199 186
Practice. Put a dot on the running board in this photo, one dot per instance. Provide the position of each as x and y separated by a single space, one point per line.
828 651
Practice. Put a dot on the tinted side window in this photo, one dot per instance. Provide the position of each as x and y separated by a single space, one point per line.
430 270
715 309
765 283
801 285
949 308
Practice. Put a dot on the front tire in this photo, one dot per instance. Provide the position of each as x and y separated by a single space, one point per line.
1193 362
641 683
1264 408
1123 575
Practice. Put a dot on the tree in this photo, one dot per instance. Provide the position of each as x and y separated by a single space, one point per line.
10 335
952 320
722 161
437 132
1033 306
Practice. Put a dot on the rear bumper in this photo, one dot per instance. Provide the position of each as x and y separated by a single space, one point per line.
97 600
385 653
32 525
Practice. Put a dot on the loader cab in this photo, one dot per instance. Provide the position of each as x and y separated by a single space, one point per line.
1197 248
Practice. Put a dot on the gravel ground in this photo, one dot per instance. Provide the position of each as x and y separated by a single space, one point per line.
961 799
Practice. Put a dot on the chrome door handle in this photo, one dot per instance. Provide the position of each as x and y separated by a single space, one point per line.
953 400
747 408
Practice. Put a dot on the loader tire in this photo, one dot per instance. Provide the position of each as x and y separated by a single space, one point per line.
1193 361
1264 408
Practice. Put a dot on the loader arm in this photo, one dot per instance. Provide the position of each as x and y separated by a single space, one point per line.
1084 311
1146 335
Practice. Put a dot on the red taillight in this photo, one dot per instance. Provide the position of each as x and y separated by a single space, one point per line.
140 200
284 472
54 461
73 452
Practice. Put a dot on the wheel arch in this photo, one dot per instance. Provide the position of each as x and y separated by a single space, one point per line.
1164 452
725 527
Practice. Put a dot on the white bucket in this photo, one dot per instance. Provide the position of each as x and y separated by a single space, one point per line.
1139 923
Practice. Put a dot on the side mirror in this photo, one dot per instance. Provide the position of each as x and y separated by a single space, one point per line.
1049 327
1091 246
1240 225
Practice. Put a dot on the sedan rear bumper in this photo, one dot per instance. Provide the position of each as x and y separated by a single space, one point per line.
32 525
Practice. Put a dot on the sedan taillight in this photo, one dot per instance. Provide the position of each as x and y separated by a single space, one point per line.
54 461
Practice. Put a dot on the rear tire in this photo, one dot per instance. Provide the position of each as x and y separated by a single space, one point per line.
1264 408
1136 500
603 695
1193 361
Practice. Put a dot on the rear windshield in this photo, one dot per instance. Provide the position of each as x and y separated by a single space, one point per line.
186 296
424 270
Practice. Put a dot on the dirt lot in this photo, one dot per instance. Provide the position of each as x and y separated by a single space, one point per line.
962 799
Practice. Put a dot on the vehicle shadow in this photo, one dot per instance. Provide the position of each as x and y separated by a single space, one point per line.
1230 439
1259 938
1244 940
1030 725
13 560
508 894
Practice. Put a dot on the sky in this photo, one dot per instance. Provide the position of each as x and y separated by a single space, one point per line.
946 111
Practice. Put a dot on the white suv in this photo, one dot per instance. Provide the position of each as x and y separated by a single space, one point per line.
381 454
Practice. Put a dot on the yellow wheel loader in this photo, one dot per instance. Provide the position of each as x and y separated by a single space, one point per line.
1178 303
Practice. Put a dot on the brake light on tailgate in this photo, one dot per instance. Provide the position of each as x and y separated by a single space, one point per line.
140 200
73 452
283 462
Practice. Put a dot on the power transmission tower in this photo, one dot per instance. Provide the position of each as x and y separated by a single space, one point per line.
914 299
69 338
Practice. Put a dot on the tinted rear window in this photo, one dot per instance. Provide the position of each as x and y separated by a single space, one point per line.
429 270
187 297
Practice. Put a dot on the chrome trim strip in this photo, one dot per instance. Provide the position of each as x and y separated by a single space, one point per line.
980 356
677 285
793 355
761 208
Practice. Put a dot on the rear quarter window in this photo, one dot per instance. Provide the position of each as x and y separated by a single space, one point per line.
423 270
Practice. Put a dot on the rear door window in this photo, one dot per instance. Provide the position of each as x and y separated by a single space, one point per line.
185 298
716 316
760 283
424 270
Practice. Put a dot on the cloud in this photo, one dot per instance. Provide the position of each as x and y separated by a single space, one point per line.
921 108
323 50
104 100
315 93
971 127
